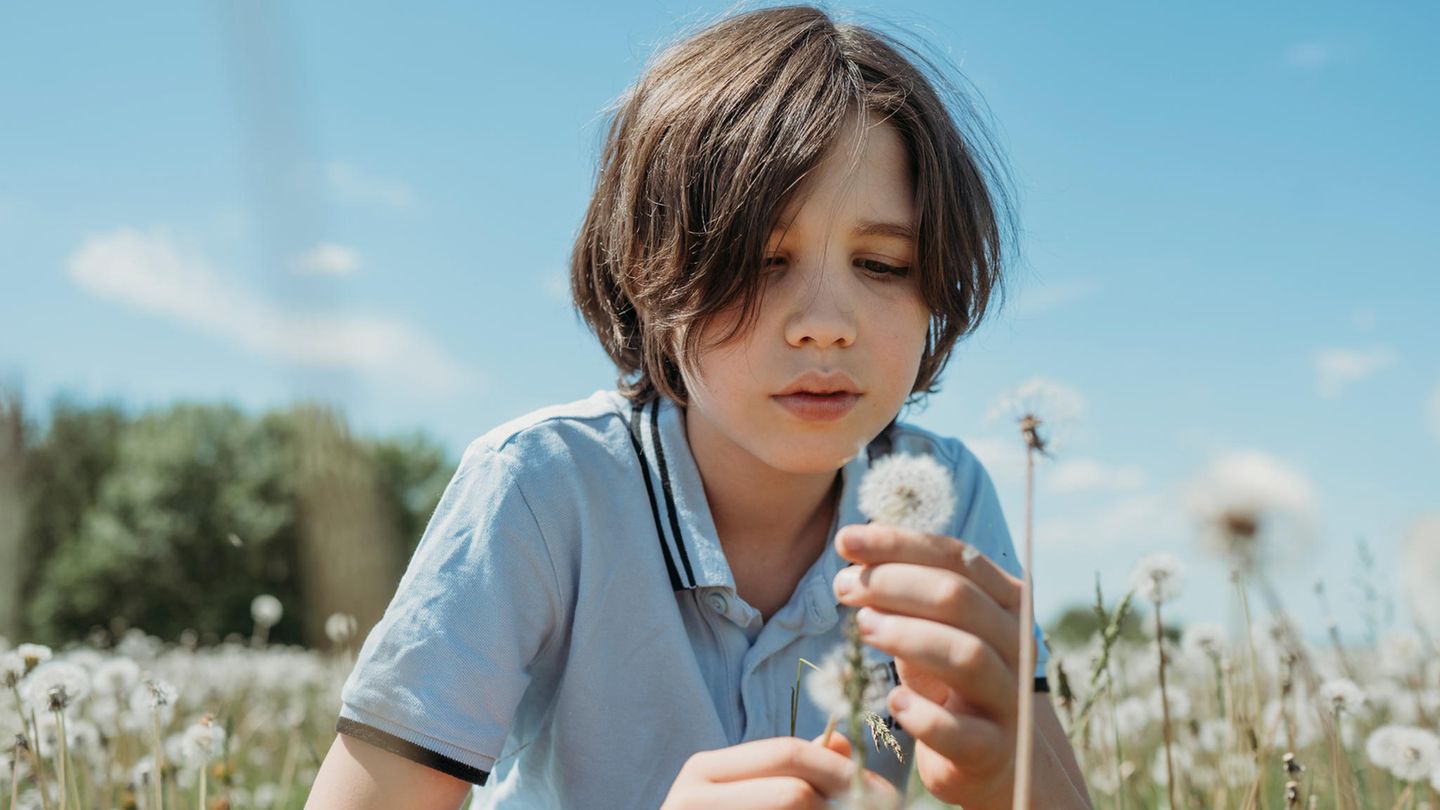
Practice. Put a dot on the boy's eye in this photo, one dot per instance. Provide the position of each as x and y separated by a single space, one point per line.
878 268
885 269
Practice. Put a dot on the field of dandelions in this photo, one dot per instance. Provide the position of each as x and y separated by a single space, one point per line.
1199 718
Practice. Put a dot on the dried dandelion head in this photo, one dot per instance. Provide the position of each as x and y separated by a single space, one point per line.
1421 570
1158 577
908 491
1252 508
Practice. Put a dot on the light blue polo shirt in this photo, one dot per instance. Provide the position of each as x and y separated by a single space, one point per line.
568 633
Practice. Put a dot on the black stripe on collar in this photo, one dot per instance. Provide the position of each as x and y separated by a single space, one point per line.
669 494
634 426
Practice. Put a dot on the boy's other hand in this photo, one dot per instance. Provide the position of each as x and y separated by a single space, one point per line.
771 774
952 622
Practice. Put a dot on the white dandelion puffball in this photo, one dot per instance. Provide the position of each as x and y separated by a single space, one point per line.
826 686
1407 752
55 683
12 669
1203 638
266 610
1342 695
1057 406
34 654
116 676
340 628
1158 577
1420 570
202 742
153 694
908 491
1251 506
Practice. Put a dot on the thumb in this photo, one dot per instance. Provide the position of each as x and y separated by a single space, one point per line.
837 743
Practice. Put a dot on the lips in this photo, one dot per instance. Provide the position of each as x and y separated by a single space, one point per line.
815 407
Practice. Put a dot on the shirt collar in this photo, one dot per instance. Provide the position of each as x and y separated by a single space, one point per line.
684 525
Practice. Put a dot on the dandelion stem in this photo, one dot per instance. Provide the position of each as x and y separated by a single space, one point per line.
1165 707
1024 740
64 783
203 774
159 769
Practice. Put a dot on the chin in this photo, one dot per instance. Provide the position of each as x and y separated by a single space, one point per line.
810 455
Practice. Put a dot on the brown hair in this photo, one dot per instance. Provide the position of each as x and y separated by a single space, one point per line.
705 151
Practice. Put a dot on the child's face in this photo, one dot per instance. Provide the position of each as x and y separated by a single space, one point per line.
827 306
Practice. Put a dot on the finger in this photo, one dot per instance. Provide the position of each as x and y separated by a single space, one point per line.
772 791
961 738
836 743
874 543
823 769
932 593
963 661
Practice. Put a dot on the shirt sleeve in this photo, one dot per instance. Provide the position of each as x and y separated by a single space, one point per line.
984 527
439 678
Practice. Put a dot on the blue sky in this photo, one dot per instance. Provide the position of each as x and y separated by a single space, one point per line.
1228 237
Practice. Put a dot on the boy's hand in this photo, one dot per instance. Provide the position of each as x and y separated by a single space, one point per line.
953 627
780 772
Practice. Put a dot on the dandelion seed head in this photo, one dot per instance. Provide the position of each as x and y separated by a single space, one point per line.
202 741
1203 638
1055 406
826 686
54 685
266 610
12 669
1158 577
340 628
908 491
1252 508
1342 695
34 655
1407 752
116 676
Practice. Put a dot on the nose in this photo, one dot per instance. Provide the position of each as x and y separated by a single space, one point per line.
822 311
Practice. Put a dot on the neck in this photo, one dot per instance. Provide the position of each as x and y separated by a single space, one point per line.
768 513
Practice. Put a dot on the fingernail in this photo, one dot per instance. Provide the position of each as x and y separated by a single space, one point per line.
870 622
845 581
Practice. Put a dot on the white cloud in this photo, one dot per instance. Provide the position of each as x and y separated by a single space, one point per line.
1435 412
352 185
1140 520
327 259
149 271
1336 368
1309 55
1084 474
1003 458
1042 299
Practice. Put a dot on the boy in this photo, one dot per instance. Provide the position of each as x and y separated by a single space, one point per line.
607 609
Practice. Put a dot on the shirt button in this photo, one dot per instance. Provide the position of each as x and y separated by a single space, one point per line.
717 601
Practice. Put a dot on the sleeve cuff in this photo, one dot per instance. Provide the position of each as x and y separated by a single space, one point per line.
413 746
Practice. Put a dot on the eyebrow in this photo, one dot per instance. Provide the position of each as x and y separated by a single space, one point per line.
868 227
